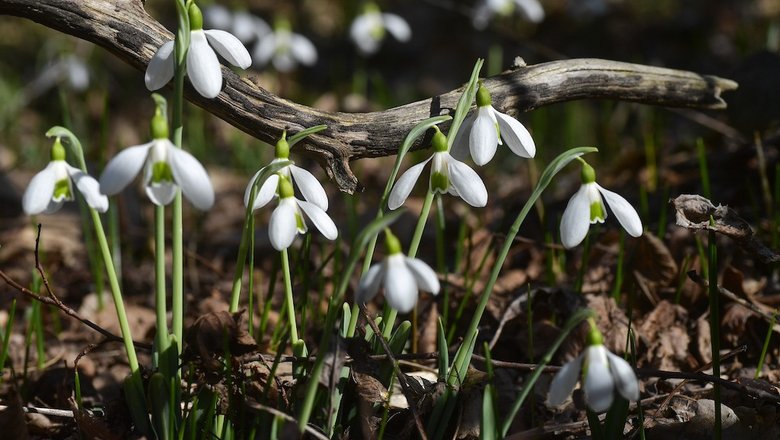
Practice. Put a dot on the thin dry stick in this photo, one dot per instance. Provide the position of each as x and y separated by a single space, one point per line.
399 374
696 278
125 29
53 300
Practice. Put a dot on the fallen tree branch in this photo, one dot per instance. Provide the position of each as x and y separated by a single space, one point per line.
125 29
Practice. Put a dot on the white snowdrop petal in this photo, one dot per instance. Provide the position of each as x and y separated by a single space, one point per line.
360 33
39 192
424 276
468 184
400 286
303 50
320 219
624 376
460 145
310 187
229 47
624 212
564 381
532 10
203 66
599 386
123 168
282 226
369 284
264 50
217 16
191 177
515 135
247 27
267 191
397 26
284 62
483 138
161 193
576 219
160 69
404 185
89 188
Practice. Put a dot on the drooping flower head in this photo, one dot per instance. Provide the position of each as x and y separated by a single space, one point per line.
531 10
369 28
587 206
401 276
285 49
243 25
448 175
287 220
203 67
603 373
165 169
309 186
53 186
483 132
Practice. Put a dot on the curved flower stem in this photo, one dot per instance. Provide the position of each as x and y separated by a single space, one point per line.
159 286
116 293
288 295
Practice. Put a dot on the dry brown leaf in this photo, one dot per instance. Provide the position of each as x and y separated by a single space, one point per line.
665 334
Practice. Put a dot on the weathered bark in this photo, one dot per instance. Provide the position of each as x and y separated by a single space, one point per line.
125 29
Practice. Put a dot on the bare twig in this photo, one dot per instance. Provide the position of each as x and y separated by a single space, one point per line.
125 29
763 313
399 374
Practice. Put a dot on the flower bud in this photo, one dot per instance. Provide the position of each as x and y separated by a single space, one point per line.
196 17
285 188
483 96
159 126
57 150
588 173
282 147
392 244
439 141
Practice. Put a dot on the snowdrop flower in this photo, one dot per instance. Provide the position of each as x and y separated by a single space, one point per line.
483 131
243 25
448 175
602 374
368 29
51 187
309 186
530 9
203 67
587 206
285 49
165 168
287 220
401 276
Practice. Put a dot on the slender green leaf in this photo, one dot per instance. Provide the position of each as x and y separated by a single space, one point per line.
297 137
464 103
444 354
488 422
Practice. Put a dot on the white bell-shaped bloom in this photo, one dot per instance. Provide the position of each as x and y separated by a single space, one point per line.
165 168
243 25
587 206
287 220
203 67
285 49
368 29
531 10
309 186
483 131
603 373
401 276
53 186
448 175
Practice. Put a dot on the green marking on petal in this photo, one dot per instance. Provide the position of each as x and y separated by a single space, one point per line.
596 212
62 190
161 172
299 222
439 182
